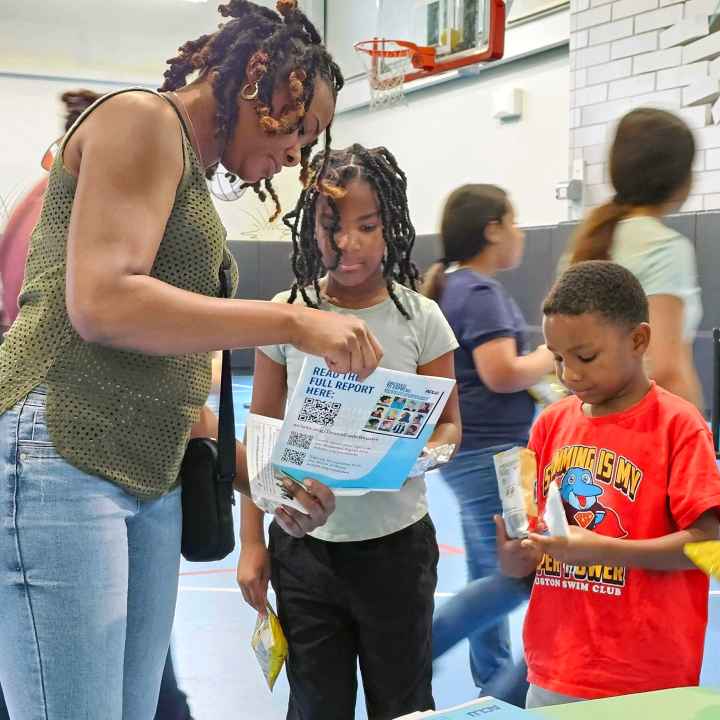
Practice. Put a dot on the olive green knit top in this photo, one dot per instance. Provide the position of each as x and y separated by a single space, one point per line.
122 415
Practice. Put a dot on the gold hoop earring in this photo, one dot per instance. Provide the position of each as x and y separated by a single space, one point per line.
250 91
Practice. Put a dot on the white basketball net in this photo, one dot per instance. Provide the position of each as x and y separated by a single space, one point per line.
386 75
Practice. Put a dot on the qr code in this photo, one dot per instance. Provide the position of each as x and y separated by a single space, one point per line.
300 440
292 457
319 412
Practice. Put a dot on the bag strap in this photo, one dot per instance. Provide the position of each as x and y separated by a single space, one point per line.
226 423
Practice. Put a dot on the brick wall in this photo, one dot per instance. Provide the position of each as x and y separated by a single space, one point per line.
628 53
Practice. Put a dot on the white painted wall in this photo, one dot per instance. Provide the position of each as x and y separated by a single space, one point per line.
33 117
125 41
49 46
630 53
447 136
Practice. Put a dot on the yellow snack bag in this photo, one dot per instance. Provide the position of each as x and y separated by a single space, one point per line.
270 646
706 555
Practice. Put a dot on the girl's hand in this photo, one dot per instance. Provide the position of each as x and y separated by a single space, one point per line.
318 501
344 341
548 357
253 574
516 559
580 547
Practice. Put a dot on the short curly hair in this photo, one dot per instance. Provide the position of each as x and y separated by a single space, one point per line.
599 286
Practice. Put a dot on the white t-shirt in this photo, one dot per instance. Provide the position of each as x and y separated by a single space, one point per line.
406 344
663 261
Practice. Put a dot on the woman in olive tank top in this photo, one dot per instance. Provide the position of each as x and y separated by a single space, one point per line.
105 373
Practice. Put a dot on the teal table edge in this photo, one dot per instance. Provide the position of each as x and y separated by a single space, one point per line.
691 703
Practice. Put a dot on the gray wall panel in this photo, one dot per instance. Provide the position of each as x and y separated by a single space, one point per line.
707 247
529 282
560 242
247 256
427 250
265 270
684 223
702 351
275 274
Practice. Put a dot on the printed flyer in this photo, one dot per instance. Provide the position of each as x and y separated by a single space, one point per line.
357 436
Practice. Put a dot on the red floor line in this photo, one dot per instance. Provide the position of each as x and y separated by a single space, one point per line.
450 550
214 571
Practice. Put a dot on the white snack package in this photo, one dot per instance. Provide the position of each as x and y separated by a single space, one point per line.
516 471
555 518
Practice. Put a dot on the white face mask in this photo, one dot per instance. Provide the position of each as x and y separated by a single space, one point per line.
226 186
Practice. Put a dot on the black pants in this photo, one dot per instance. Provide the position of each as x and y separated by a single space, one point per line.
369 601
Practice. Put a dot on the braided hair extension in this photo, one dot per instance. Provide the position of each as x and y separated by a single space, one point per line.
329 175
259 48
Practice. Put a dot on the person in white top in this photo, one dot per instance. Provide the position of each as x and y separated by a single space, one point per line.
651 161
361 589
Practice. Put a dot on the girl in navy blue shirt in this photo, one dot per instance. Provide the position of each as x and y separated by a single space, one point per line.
493 371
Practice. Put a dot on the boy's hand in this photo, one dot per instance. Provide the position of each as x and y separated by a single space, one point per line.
516 559
580 547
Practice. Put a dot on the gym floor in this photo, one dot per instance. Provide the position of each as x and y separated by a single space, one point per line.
215 663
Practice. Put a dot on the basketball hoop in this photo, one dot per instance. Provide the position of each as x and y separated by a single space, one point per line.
387 62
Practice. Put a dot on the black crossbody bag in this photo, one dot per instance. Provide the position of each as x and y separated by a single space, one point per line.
207 473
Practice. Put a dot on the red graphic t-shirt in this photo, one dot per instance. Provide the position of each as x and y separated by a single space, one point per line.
598 631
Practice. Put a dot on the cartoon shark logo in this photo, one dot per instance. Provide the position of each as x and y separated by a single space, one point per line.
582 507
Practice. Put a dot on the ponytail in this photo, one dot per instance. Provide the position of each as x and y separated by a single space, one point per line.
468 211
433 283
650 165
594 238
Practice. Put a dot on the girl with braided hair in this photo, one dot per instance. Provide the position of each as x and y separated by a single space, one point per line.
106 370
362 587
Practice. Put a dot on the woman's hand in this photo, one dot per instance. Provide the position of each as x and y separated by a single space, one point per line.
253 574
344 341
317 500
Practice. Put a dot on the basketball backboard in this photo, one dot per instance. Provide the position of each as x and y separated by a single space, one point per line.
460 32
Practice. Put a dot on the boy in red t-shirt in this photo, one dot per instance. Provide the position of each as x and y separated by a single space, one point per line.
616 607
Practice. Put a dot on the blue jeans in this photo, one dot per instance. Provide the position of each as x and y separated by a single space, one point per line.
172 703
88 582
478 607
471 476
